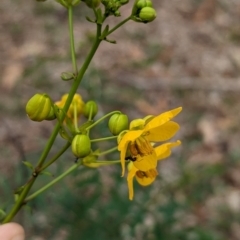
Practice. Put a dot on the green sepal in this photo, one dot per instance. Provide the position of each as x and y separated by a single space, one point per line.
99 16
67 76
63 133
110 41
104 33
28 165
90 20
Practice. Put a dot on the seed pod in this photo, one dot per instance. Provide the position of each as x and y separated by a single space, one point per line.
81 146
38 107
90 108
118 123
147 14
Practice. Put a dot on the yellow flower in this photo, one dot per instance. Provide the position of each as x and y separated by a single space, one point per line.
146 178
76 105
158 129
136 146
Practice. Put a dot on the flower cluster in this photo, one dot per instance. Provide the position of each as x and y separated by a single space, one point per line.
137 145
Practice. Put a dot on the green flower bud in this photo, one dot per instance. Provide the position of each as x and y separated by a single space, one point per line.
118 123
81 145
90 108
147 14
39 107
144 3
66 76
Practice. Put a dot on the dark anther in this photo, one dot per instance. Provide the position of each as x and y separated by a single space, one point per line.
131 158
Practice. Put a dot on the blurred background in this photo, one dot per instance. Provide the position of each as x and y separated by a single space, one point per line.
190 57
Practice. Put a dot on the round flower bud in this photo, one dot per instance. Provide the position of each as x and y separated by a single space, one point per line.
144 3
147 14
90 108
118 123
81 145
39 107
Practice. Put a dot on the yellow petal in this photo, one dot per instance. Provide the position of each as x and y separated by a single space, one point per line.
147 162
130 177
123 144
164 150
162 118
162 132
145 181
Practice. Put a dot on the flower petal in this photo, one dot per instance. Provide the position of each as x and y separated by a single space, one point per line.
146 162
145 181
162 118
130 177
123 144
162 132
164 150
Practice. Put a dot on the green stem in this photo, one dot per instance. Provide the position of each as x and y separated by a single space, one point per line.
101 119
73 54
75 118
52 138
104 139
68 144
118 25
108 151
20 200
71 169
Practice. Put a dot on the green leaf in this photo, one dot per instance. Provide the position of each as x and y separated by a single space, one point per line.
28 165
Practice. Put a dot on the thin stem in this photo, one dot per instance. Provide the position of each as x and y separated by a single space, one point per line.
19 203
108 151
52 160
75 118
101 119
104 139
71 35
118 25
56 129
71 169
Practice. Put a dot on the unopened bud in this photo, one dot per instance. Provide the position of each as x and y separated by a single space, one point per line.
39 107
118 123
90 109
147 14
81 145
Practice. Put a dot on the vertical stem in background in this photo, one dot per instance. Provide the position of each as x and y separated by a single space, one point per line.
73 54
17 206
